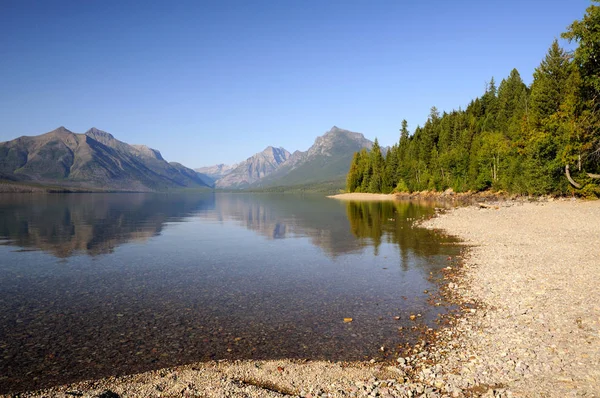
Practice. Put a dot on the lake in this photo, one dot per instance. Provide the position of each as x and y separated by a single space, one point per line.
93 285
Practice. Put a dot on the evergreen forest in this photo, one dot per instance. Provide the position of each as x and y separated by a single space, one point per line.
541 139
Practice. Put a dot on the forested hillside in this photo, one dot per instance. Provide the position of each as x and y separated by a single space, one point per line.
541 139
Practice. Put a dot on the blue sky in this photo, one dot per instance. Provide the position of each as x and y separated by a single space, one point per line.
210 82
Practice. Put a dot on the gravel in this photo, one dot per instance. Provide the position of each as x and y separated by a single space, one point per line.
534 268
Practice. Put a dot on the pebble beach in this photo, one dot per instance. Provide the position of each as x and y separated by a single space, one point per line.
527 323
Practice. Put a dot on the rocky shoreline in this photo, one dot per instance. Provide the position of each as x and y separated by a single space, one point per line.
533 269
527 323
446 197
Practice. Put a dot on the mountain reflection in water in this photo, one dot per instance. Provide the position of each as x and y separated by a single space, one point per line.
93 224
93 285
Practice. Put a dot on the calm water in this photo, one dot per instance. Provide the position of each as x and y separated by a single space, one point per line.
103 284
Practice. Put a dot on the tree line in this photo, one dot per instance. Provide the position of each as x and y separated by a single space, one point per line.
538 139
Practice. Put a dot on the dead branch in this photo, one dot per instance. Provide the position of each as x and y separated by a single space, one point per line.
572 181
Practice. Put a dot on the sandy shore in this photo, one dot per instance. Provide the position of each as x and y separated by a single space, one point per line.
364 196
529 286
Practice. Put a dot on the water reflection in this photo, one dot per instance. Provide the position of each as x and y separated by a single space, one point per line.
288 216
150 281
364 224
392 222
92 224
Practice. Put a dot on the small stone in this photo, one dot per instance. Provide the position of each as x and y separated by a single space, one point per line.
108 394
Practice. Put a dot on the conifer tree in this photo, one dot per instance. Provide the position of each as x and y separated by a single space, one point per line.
548 87
587 55
514 138
377 166
512 105
353 177
586 33
391 167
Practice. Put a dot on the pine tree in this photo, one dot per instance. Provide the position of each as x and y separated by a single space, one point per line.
490 106
365 171
404 131
512 105
391 167
587 55
542 166
548 87
587 61
353 177
514 138
377 165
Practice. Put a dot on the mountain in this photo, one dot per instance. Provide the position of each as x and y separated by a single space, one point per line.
59 225
91 160
210 174
193 175
326 161
254 168
217 171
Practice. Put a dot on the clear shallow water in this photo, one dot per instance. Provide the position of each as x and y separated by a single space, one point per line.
93 285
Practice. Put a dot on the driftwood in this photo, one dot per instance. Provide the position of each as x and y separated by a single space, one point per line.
572 181
486 206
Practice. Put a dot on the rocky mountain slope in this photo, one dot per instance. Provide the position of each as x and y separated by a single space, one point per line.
210 174
327 160
254 168
217 171
94 159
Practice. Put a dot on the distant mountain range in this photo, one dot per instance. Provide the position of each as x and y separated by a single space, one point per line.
254 169
92 160
97 160
326 161
217 171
